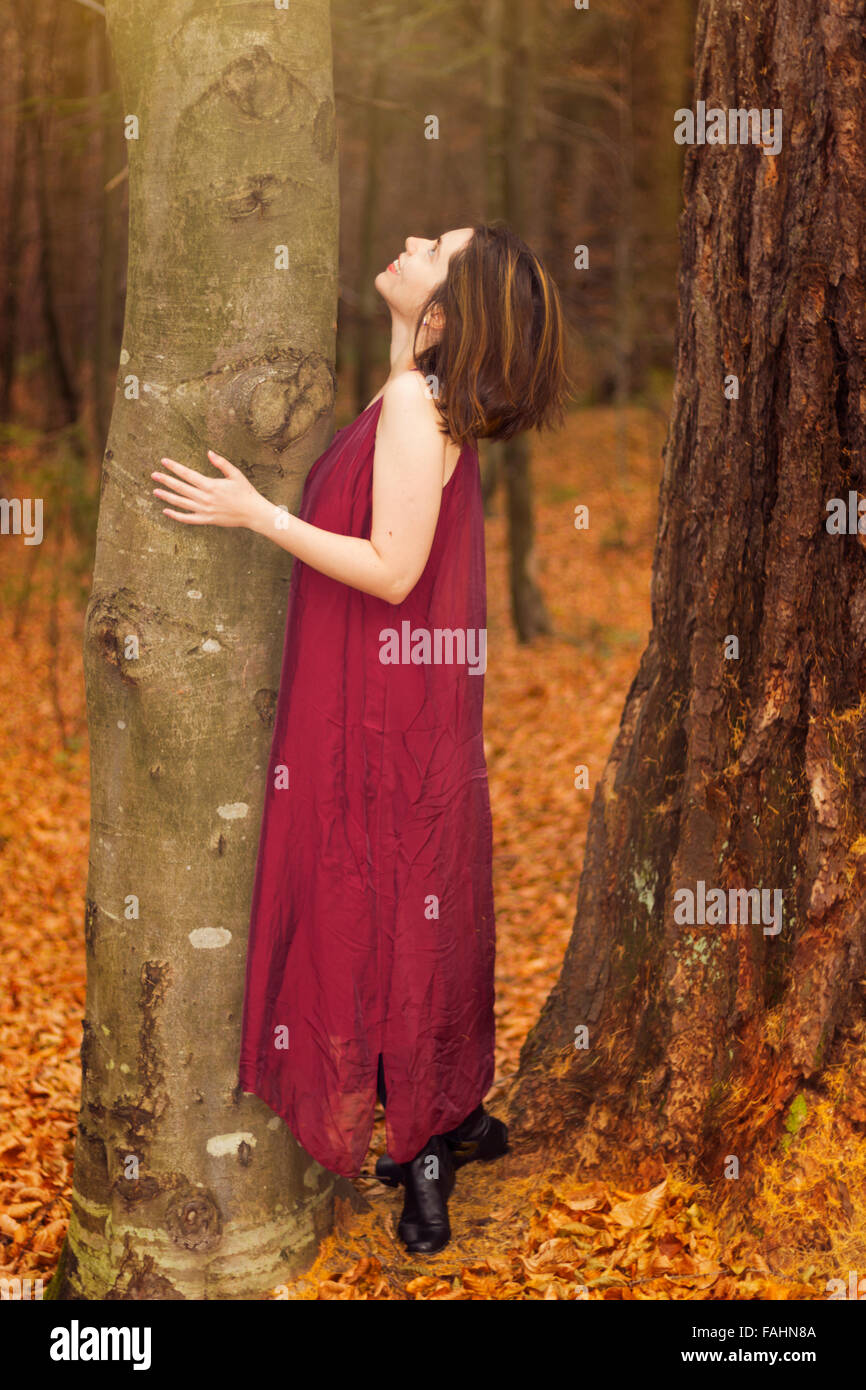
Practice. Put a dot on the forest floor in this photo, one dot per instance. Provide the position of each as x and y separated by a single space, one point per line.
520 1231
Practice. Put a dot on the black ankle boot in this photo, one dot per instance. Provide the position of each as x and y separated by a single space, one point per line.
480 1136
423 1226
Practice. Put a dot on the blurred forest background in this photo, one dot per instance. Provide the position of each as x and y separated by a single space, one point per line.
559 121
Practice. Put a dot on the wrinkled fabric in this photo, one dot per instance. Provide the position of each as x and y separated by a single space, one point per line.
372 920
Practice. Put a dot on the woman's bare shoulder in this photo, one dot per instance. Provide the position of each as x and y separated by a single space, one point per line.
408 395
409 387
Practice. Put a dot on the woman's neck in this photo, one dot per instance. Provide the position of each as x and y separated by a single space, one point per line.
402 358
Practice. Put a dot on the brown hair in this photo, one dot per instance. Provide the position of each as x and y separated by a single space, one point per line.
499 362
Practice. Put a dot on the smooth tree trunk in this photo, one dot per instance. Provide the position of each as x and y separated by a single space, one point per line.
528 609
495 71
368 297
184 1187
740 763
624 287
14 43
661 81
40 144
111 200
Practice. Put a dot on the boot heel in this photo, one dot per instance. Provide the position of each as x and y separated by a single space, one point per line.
389 1171
495 1142
485 1139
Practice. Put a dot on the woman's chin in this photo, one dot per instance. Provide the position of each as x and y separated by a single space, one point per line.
382 283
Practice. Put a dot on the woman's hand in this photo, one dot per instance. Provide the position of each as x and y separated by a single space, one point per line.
228 501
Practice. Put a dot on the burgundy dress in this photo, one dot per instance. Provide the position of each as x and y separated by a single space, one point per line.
372 924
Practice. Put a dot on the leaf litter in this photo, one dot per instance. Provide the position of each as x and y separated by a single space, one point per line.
519 1232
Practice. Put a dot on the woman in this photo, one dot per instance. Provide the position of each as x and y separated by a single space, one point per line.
371 948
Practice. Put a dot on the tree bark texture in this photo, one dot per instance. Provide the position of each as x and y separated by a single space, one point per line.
746 771
184 1187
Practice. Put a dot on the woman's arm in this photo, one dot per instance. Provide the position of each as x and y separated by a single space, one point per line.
408 471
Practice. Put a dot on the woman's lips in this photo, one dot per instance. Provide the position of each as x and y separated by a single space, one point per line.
394 268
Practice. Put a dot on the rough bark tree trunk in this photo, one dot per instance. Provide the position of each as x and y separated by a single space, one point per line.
184 1187
747 772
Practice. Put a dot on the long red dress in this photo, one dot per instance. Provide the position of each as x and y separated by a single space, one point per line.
372 922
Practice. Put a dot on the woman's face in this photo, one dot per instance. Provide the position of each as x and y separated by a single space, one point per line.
420 268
